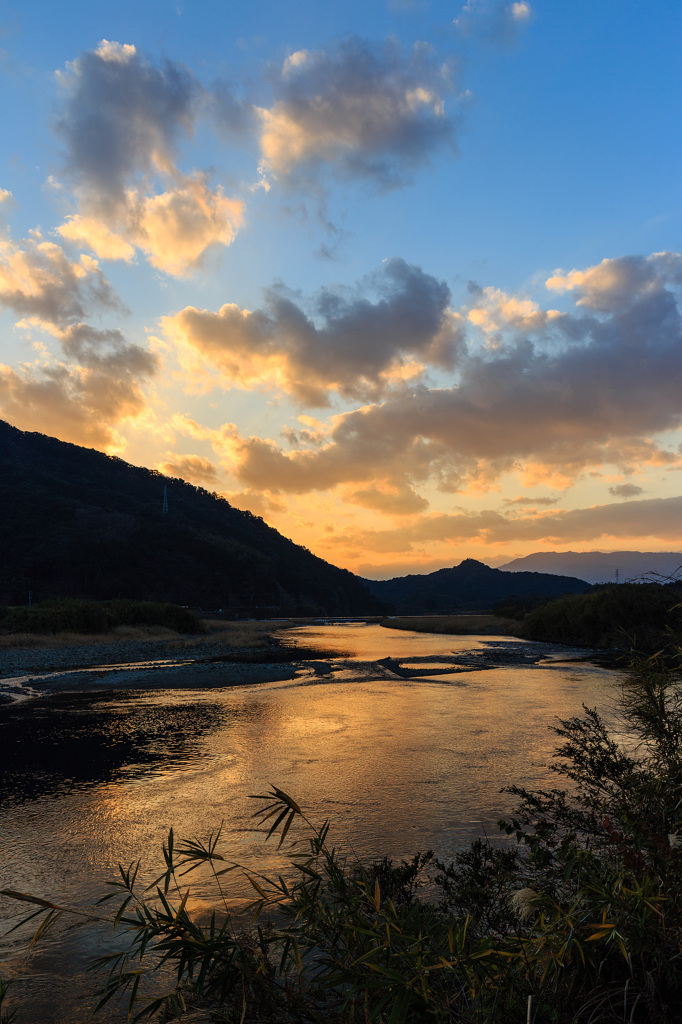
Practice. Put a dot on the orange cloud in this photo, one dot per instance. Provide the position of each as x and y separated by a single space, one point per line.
336 342
194 468
388 498
80 405
657 518
39 281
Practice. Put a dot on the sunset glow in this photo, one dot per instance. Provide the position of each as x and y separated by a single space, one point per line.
402 278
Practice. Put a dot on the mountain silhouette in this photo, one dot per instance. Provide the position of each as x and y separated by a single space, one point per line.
77 523
469 586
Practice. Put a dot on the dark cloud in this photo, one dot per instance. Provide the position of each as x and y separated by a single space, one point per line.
533 502
363 111
86 344
340 341
122 121
581 391
615 285
626 490
122 117
234 115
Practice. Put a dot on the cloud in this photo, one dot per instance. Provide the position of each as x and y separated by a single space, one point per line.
6 204
39 281
587 390
496 21
659 518
361 111
121 118
257 502
107 244
493 311
176 229
83 405
101 386
533 502
107 349
194 468
626 490
615 284
122 122
388 498
340 341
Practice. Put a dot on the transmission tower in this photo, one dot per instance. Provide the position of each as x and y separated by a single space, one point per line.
165 500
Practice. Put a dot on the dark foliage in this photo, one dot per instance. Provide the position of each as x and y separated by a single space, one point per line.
470 586
76 523
74 616
626 616
515 607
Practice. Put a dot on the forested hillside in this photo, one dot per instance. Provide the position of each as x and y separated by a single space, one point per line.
469 586
77 523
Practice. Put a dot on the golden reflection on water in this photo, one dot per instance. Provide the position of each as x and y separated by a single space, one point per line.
399 765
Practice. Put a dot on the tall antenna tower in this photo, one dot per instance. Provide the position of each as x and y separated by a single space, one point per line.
165 500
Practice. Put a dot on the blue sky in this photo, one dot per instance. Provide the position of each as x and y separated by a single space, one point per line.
401 277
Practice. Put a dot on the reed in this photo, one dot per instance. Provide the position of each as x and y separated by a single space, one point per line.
460 625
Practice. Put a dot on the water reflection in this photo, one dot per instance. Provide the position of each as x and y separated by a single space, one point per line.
68 741
399 764
370 643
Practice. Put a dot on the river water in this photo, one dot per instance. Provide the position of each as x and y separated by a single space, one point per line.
404 743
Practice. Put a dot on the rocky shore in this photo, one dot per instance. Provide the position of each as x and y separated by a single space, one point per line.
153 663
210 661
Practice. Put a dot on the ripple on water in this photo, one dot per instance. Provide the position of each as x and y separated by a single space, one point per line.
397 764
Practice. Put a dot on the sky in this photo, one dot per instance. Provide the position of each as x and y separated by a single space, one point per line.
402 277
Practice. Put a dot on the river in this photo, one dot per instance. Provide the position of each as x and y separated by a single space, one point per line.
404 743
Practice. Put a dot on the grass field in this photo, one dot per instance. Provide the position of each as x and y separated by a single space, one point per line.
462 625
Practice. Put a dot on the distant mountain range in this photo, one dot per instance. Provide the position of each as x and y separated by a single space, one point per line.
469 586
599 566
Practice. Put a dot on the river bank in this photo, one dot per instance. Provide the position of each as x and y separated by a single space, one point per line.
239 654
229 654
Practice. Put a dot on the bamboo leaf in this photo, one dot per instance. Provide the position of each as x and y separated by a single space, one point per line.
286 828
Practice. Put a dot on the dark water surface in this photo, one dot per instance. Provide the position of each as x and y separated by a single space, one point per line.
399 764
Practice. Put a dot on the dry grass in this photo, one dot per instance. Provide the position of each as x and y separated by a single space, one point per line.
119 635
462 625
238 634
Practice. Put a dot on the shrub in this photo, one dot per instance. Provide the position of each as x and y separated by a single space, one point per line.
608 616
76 616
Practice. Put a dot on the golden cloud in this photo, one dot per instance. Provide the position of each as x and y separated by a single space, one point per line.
80 405
658 519
335 342
194 468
